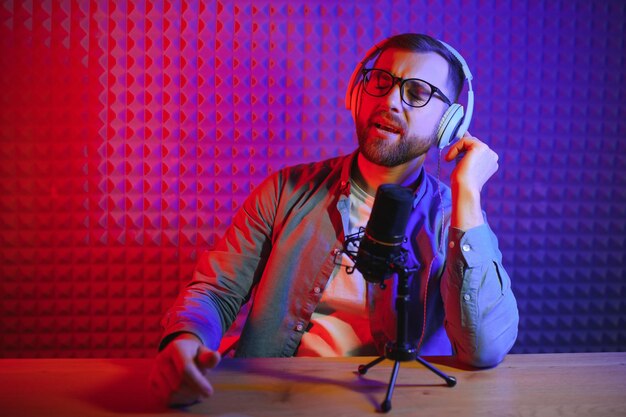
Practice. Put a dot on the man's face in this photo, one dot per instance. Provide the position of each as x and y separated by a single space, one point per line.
391 132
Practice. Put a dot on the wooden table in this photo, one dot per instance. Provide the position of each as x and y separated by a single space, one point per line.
589 384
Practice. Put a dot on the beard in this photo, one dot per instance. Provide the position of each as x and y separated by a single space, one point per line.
387 153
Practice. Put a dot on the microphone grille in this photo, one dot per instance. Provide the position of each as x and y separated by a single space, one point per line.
390 213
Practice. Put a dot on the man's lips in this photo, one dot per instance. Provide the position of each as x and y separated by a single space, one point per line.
387 126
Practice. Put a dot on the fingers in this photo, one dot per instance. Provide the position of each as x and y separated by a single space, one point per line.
208 358
178 376
476 165
195 379
461 146
182 395
453 152
173 391
159 386
164 375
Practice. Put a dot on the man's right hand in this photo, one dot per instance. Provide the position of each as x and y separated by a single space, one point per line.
178 376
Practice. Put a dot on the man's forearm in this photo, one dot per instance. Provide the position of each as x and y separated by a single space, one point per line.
466 209
194 313
481 311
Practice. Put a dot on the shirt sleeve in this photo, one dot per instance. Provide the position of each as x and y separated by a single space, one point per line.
224 276
481 316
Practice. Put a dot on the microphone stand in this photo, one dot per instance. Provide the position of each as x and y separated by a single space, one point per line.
401 350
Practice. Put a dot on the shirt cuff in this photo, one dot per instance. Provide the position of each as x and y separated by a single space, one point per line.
474 246
210 336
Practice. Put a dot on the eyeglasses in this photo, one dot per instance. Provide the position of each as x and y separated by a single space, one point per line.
413 91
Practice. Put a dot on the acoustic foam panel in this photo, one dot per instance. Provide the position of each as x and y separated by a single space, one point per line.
131 131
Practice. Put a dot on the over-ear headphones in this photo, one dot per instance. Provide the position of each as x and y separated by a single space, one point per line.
454 122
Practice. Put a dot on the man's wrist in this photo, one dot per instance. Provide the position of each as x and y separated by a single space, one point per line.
466 209
183 335
187 336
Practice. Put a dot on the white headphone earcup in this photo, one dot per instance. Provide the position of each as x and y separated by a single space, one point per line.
449 124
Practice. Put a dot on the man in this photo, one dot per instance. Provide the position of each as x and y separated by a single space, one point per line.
284 242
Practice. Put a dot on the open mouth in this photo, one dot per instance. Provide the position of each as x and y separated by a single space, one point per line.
387 128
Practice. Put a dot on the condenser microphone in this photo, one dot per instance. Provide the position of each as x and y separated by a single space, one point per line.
380 250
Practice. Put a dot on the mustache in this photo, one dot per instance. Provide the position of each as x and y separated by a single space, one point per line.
384 116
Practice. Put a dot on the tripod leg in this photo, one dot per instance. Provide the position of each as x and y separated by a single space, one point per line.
364 368
385 406
450 380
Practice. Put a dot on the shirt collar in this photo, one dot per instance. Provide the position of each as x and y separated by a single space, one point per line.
418 193
344 177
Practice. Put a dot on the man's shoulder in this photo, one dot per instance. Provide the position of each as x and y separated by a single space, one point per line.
320 169
304 177
324 164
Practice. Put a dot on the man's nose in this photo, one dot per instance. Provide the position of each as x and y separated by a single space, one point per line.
393 98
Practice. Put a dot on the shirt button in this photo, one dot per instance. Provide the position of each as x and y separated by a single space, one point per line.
451 245
299 327
466 248
317 290
467 297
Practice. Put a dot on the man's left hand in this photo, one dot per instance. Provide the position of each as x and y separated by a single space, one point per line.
477 164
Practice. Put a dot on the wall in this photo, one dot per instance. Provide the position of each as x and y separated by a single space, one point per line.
131 131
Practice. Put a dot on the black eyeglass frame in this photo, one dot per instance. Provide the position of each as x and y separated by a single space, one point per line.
433 89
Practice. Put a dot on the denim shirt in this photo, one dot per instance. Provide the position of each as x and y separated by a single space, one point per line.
280 251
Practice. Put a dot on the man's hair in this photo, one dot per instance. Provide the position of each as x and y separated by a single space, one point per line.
423 43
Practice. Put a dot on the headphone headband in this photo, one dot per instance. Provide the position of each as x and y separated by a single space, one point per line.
466 71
